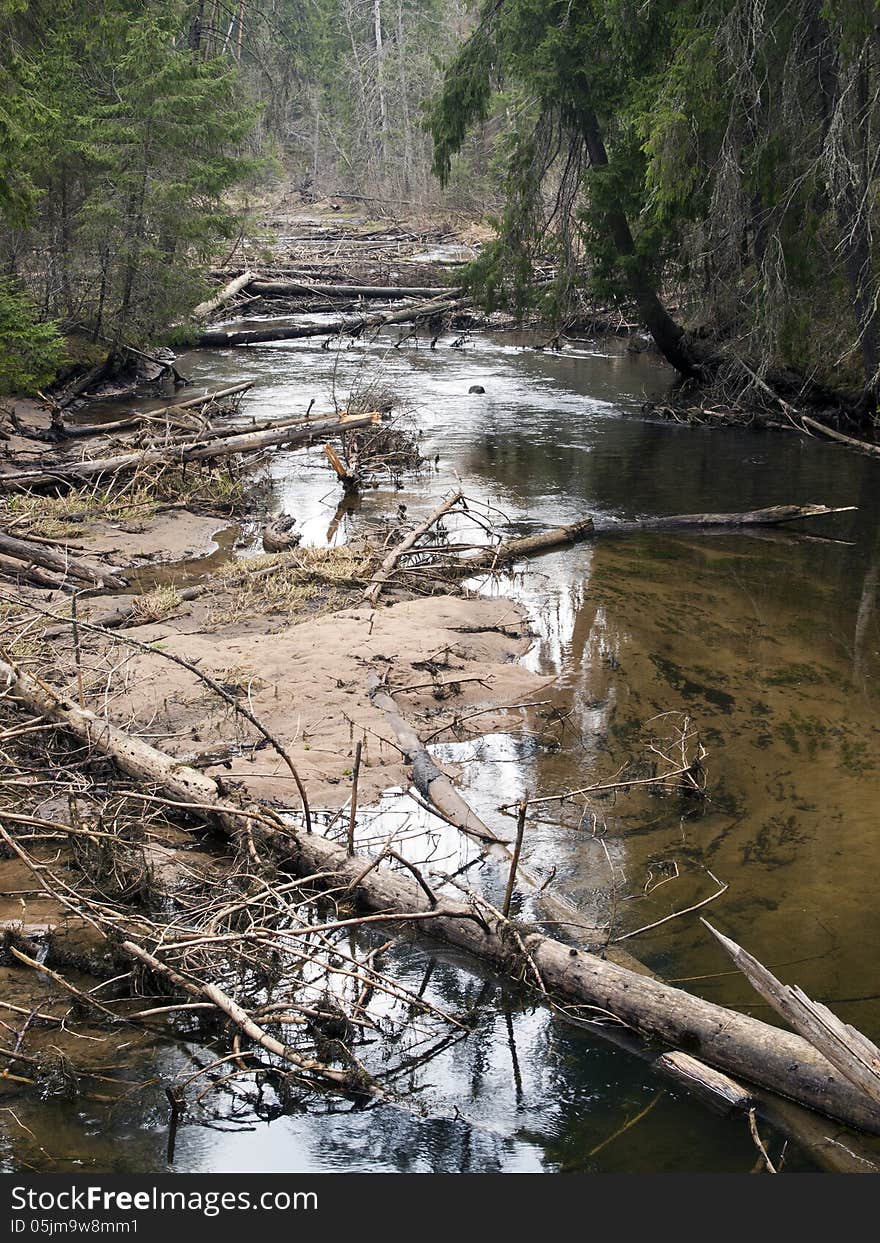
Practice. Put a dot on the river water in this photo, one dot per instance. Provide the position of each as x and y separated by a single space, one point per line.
767 645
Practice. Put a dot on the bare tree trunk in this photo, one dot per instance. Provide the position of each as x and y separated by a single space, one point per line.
380 84
195 27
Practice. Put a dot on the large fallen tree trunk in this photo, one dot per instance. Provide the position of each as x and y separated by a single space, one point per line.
498 555
285 288
301 433
764 1055
60 563
352 325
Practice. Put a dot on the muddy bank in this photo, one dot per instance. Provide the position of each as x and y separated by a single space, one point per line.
308 683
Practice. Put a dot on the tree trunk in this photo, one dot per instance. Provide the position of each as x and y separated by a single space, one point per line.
301 433
224 295
59 563
669 337
355 325
767 1056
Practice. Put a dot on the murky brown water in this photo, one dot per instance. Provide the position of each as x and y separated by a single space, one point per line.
770 645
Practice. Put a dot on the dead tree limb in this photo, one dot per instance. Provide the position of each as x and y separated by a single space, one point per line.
356 324
845 1047
499 555
301 433
60 563
764 1055
386 569
774 515
862 445
243 1021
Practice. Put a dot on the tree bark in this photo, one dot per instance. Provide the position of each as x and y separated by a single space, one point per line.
59 563
669 337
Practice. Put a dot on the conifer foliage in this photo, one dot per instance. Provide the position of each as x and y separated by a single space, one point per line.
118 144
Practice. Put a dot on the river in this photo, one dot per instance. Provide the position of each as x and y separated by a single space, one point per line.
767 644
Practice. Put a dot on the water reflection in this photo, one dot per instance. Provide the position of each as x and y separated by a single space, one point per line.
770 646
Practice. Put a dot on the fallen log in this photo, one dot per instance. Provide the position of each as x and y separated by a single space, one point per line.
386 569
845 1047
18 571
498 555
512 550
300 433
441 794
354 325
430 782
283 288
217 395
63 564
767 1056
746 1047
72 431
863 446
224 295
774 515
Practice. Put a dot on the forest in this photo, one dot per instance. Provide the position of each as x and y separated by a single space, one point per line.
711 168
439 561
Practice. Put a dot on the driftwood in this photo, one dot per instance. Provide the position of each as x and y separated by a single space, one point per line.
354 325
386 569
346 471
59 563
764 1055
284 288
278 534
224 295
441 794
846 1048
19 572
74 431
217 395
430 782
498 555
512 550
300 433
862 445
774 515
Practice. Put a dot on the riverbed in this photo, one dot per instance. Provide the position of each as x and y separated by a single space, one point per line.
765 647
